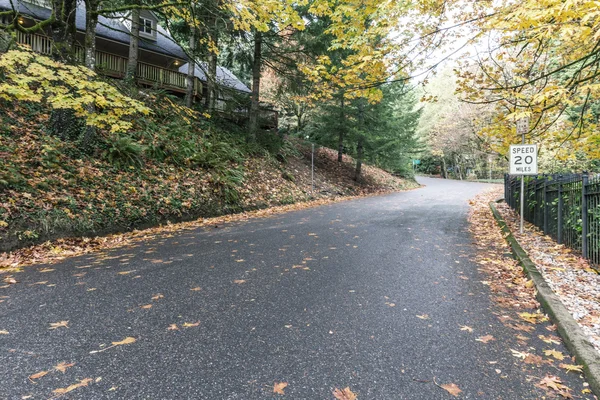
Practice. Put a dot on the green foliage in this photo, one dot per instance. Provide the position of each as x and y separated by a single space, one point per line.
124 152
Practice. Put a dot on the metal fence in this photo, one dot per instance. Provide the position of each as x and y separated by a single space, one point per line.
566 207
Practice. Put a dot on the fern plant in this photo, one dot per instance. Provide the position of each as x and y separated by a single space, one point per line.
125 152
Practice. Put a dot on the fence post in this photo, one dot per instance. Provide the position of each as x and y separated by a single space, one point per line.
559 217
584 219
545 204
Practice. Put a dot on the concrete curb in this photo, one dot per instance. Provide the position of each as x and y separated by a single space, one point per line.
569 330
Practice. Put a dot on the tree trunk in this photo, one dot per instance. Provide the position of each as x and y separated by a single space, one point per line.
359 158
444 168
63 122
64 30
211 82
91 22
134 41
457 167
190 78
341 132
256 67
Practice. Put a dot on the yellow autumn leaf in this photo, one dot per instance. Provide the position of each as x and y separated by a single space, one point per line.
82 383
127 340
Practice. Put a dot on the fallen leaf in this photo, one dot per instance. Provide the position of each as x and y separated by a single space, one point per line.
549 339
571 367
173 327
552 382
126 272
38 375
10 280
61 324
147 306
45 270
279 386
344 394
452 389
555 353
157 296
196 289
3 332
82 383
127 340
62 367
519 354
485 339
190 324
239 281
424 316
466 328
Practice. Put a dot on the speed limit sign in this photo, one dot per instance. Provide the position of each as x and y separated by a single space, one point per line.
523 159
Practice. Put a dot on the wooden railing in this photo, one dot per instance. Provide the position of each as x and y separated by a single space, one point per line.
116 66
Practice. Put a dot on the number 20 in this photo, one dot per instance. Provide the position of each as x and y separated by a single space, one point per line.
519 159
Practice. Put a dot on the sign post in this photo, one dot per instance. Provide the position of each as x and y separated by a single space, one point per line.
523 160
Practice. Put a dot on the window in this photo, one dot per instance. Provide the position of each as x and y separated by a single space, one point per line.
146 26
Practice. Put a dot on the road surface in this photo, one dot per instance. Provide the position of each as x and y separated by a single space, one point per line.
368 294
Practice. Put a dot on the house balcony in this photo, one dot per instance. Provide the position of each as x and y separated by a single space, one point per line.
116 66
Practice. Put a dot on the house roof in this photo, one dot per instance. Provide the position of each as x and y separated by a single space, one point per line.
114 29
224 77
108 28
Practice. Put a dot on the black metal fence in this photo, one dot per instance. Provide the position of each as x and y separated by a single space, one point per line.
566 207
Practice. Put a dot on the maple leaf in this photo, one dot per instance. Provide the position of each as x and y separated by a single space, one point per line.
344 394
555 353
81 383
571 367
190 324
552 382
452 389
466 328
61 324
485 339
62 367
38 375
549 339
279 386
173 327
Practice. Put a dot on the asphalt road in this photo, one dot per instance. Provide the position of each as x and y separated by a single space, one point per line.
368 294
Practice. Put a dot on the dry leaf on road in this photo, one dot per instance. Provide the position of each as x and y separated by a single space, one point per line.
190 324
555 353
466 328
344 394
127 340
279 386
62 367
451 388
81 383
485 339
38 375
61 324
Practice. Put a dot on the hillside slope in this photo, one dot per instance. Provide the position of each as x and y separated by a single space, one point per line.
49 189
